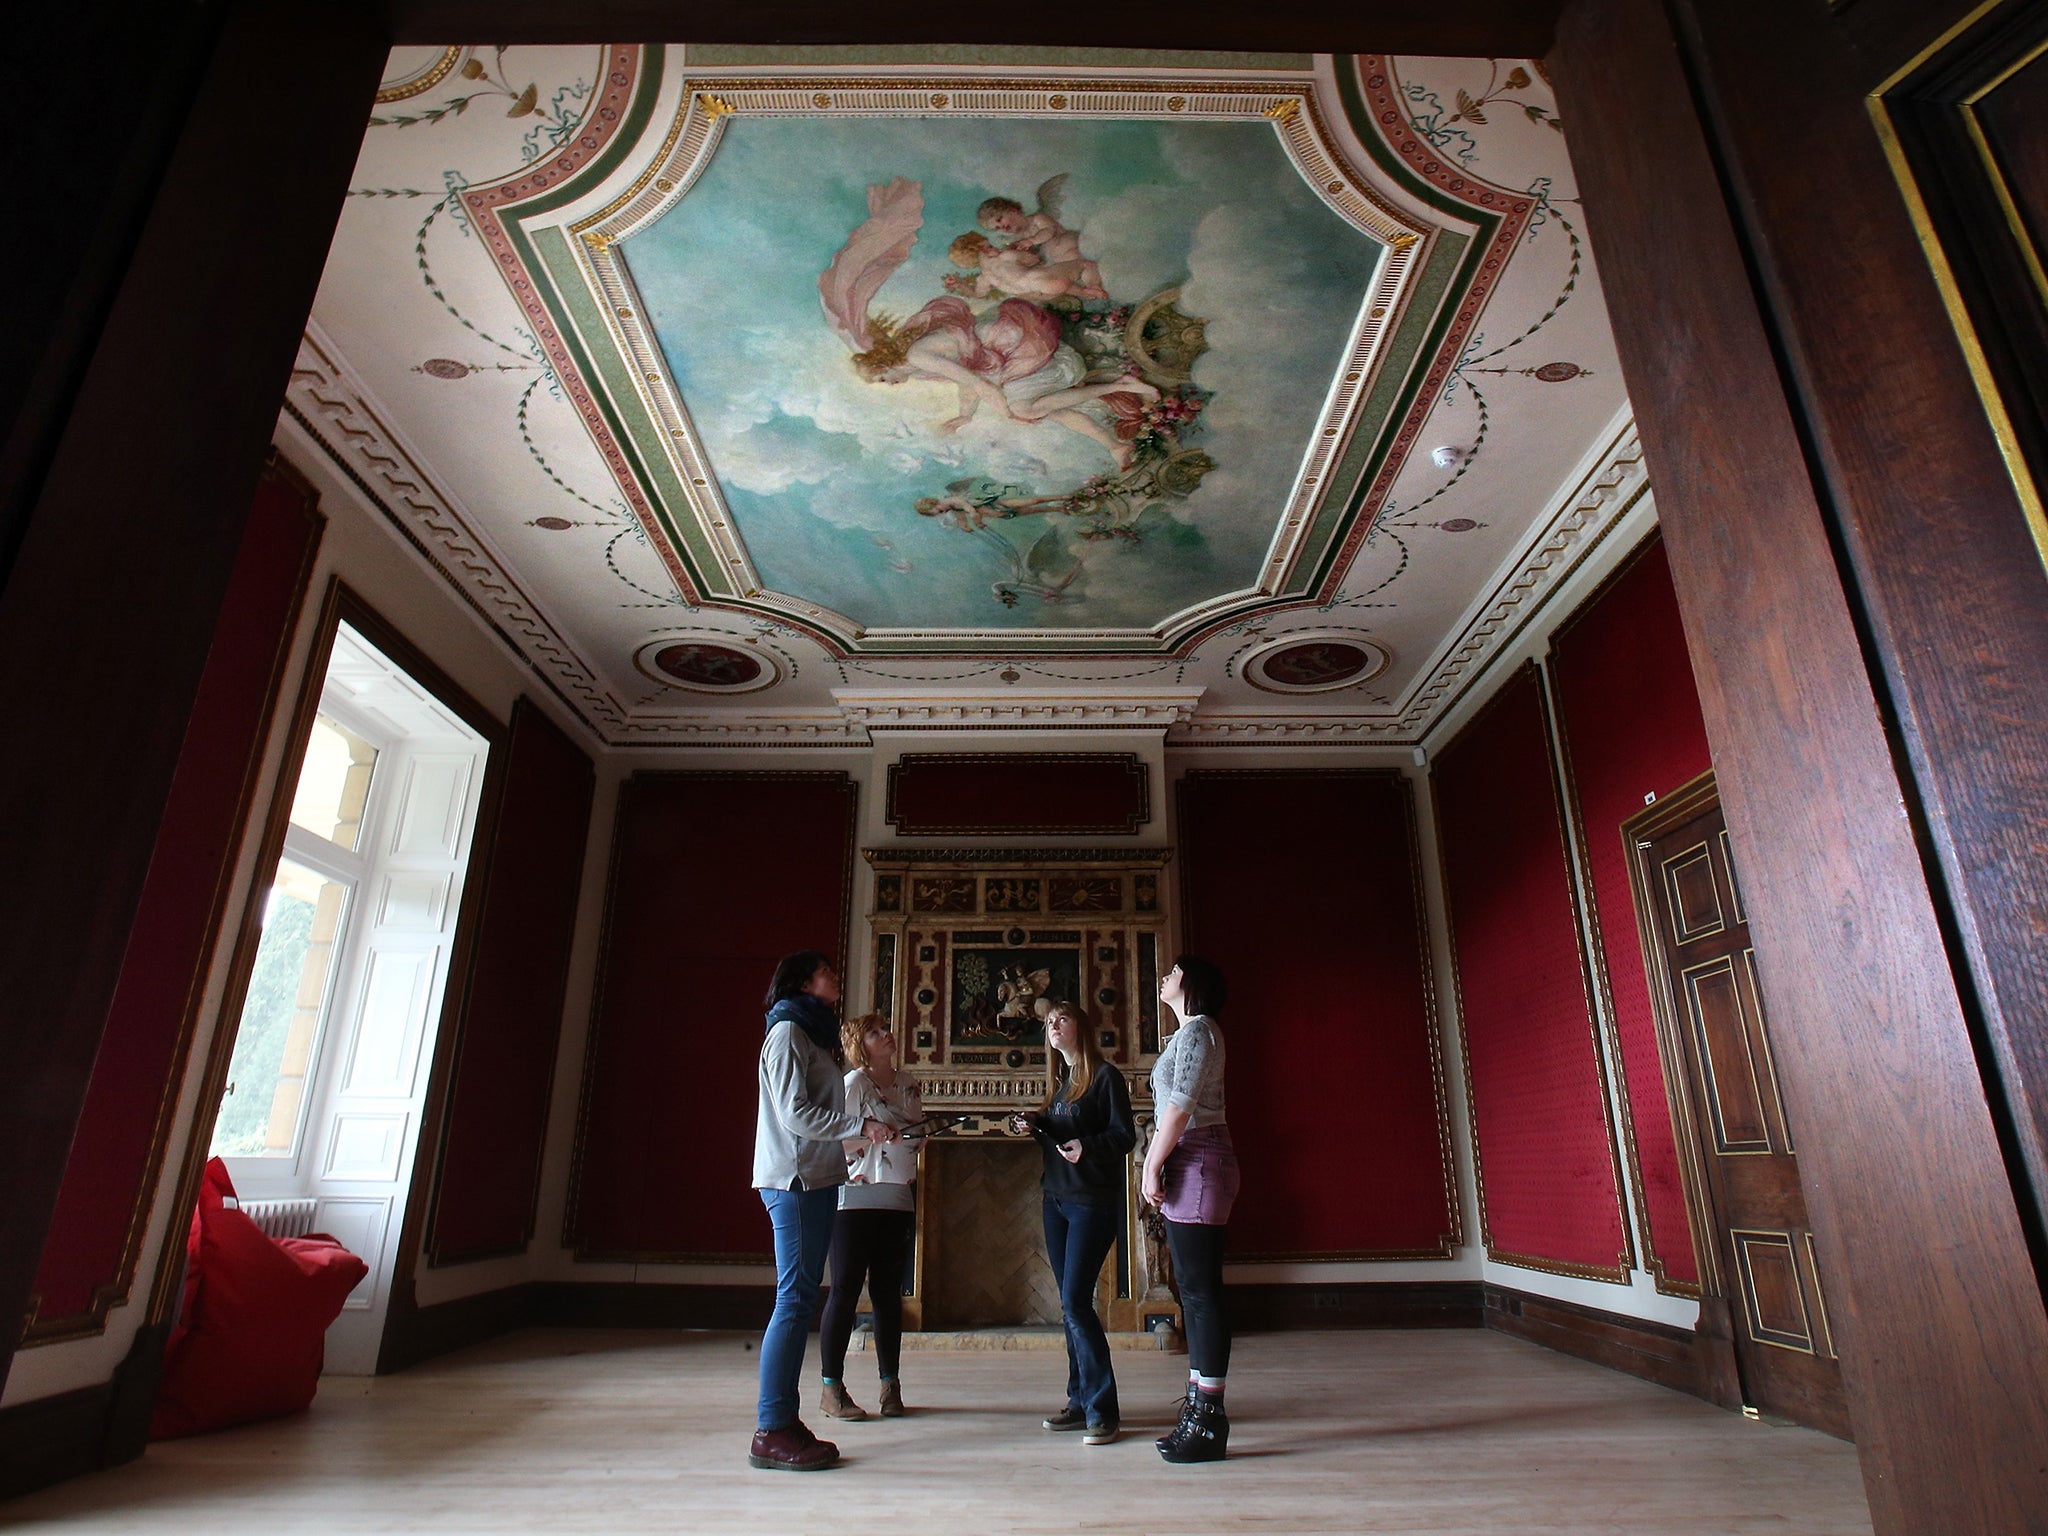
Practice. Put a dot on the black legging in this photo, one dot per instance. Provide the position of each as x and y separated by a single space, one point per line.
867 1247
1197 1250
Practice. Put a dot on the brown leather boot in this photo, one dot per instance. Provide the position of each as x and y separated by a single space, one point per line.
892 1400
835 1404
791 1448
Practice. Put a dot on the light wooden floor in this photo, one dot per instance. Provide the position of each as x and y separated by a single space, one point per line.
1452 1431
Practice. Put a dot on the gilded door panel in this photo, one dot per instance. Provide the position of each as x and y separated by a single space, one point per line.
1734 882
1774 1303
1695 904
1825 1335
1760 1041
1716 1016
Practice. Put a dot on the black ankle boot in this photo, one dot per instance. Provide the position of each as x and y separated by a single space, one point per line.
1187 1411
1204 1435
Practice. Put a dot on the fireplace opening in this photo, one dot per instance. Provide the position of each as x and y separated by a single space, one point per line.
984 1241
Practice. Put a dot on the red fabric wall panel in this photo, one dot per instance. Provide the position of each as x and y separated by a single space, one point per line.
1301 885
1630 717
715 877
1001 794
489 1176
88 1260
1548 1181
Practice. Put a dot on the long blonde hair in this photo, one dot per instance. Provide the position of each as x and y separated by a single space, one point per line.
888 347
1088 1054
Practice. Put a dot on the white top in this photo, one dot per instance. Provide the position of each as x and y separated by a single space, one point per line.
882 1178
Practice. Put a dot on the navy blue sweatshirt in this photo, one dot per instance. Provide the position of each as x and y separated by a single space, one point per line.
1101 1120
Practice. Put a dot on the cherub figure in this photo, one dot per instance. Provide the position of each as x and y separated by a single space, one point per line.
969 503
1012 361
1041 231
1019 272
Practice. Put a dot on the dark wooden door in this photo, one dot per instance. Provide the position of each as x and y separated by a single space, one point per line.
1783 1346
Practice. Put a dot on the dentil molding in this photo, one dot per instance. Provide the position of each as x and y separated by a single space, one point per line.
1080 707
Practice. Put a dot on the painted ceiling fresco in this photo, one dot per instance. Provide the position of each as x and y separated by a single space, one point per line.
1002 374
718 382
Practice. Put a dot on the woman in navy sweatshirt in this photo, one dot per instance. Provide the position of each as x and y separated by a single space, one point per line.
1084 1132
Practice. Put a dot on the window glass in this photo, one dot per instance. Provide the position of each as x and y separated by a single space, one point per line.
259 1116
334 785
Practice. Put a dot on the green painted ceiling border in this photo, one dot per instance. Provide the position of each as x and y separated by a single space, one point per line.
1359 117
1427 320
638 437
547 252
1387 403
622 142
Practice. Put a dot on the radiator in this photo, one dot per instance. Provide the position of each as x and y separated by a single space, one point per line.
281 1218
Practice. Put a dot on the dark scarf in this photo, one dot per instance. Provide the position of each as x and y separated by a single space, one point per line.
812 1017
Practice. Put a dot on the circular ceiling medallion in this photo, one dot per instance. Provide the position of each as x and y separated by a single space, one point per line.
708 666
1313 662
1557 373
445 368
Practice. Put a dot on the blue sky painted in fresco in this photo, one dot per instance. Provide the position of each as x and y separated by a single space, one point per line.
820 468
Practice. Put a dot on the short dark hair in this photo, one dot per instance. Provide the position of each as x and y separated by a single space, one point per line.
792 972
1201 985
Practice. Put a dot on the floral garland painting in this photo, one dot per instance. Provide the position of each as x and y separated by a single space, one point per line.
1066 371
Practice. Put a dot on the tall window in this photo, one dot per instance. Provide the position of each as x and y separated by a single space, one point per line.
333 1051
305 920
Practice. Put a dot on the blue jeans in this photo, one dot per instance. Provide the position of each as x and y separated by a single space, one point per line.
1077 1239
802 1219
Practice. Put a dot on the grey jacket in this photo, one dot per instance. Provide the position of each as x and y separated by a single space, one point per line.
802 1118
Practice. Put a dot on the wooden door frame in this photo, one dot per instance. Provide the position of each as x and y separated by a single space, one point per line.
1854 926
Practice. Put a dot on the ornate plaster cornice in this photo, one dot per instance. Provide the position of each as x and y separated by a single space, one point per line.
1581 517
1266 730
906 709
332 405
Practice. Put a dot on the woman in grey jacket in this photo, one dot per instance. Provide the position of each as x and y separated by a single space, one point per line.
799 1164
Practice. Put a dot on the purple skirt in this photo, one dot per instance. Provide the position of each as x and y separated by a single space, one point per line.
1201 1178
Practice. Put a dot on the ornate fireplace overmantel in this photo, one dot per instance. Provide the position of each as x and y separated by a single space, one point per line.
971 947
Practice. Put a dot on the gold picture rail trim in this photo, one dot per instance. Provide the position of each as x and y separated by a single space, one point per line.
1975 357
2000 186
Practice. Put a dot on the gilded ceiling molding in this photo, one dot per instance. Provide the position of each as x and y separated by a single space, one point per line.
907 709
421 81
725 728
1271 730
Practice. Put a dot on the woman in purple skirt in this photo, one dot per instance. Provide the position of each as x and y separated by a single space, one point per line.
1191 1175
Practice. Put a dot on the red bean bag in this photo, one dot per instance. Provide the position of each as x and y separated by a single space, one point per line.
251 1335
